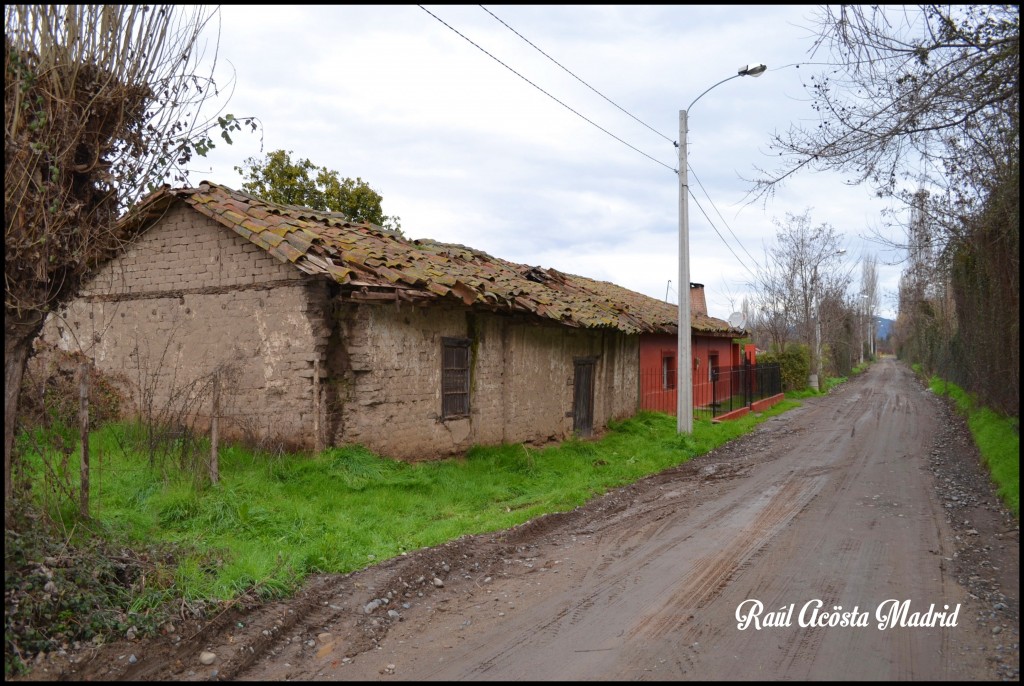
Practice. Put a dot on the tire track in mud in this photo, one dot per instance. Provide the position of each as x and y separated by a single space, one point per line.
808 505
310 614
834 456
747 522
710 573
242 636
861 562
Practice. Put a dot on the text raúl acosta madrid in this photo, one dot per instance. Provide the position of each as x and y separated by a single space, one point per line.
889 614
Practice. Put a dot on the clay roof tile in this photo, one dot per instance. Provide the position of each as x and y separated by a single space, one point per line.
329 244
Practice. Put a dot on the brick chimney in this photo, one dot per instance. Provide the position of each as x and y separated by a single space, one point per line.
698 305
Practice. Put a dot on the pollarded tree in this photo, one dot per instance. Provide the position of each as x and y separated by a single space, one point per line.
101 104
278 179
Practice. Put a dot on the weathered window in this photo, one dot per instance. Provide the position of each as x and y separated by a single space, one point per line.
454 378
668 372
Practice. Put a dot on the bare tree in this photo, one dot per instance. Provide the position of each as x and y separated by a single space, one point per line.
923 104
913 91
101 104
801 270
775 310
870 300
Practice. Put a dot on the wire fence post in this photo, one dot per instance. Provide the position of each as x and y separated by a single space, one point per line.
83 419
214 430
318 440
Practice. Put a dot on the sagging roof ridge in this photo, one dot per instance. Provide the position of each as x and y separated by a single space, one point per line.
363 254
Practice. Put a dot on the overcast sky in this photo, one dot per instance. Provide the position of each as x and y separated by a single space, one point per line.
463 150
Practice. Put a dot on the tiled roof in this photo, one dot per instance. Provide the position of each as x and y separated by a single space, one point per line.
363 255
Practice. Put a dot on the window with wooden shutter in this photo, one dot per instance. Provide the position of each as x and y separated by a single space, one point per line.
668 371
454 378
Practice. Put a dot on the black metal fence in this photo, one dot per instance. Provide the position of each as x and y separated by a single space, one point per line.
715 391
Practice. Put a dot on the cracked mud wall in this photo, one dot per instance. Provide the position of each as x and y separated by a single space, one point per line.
385 368
189 295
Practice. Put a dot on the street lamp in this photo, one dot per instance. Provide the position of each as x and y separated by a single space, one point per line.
812 380
684 363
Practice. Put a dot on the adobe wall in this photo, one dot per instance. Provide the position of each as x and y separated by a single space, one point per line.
189 295
385 379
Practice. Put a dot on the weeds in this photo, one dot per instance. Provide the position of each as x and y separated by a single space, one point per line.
64 588
997 438
274 521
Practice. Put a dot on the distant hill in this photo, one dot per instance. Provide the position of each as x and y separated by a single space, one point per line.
883 326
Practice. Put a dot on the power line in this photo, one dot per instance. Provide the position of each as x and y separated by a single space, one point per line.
738 241
546 93
566 70
592 123
720 235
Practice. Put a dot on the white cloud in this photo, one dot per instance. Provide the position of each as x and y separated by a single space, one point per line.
465 151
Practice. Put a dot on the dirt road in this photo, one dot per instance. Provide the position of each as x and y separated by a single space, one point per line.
872 493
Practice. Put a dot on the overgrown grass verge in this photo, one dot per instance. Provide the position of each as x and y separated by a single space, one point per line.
64 588
275 519
827 384
860 368
997 438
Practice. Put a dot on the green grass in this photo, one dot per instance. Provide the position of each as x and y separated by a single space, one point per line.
801 393
997 438
833 381
861 368
275 519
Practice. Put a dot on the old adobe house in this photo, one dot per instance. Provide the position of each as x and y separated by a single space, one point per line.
345 333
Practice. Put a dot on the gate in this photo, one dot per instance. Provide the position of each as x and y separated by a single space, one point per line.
721 390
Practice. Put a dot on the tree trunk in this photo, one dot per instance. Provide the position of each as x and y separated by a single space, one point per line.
19 334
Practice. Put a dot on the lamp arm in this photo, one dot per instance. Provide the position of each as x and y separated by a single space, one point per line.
734 76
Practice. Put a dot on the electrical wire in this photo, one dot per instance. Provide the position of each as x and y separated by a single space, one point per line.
708 195
609 100
592 123
589 121
744 264
624 111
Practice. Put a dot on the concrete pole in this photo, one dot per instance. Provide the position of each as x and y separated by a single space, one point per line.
684 362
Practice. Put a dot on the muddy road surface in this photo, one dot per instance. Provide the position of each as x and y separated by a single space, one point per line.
861 504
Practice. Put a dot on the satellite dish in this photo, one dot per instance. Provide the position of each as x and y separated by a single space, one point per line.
737 320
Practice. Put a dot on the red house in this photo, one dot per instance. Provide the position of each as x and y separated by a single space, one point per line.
715 355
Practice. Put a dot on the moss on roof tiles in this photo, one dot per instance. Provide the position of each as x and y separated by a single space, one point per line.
242 231
233 216
391 275
265 240
285 252
340 274
300 240
438 289
328 243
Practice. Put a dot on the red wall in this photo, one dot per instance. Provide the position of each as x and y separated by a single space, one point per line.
653 394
